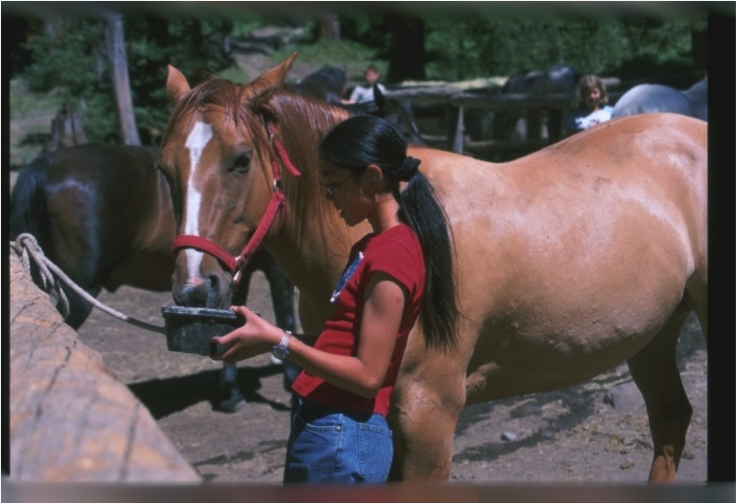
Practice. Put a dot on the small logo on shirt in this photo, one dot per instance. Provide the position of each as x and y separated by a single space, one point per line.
346 276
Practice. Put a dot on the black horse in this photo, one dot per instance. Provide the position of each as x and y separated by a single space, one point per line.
326 84
557 79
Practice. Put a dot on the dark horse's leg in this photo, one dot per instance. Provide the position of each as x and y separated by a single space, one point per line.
230 399
282 295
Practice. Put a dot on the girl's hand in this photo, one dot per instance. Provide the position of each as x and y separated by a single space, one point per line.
255 337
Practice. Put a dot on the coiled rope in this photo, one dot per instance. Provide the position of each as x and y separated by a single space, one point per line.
27 248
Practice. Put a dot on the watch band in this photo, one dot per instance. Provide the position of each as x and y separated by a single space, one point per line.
281 350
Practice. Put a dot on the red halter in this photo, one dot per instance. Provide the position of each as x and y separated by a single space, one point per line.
275 206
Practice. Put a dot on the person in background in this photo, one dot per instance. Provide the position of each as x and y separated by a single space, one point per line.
400 273
591 105
363 94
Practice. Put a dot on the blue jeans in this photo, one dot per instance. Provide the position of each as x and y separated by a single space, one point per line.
329 444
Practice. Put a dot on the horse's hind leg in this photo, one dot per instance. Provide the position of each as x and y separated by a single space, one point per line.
655 372
424 420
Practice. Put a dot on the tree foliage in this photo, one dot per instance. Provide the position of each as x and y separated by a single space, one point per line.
469 47
71 58
69 55
481 47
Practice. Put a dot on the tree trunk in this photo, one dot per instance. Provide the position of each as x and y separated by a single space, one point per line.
121 80
329 26
407 56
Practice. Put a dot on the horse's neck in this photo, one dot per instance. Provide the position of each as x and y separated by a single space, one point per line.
316 261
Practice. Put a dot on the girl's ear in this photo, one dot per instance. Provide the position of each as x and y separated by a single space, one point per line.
375 174
373 177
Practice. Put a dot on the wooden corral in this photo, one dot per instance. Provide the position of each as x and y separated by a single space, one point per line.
71 419
458 100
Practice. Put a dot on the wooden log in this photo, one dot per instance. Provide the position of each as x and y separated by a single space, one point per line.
424 95
71 419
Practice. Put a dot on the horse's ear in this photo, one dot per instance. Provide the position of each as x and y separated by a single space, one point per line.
274 77
381 102
176 83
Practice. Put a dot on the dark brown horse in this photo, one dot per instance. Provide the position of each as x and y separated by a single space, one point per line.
103 214
570 261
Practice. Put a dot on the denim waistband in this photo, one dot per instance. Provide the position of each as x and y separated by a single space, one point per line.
316 409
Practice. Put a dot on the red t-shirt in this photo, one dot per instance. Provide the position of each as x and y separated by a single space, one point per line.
398 253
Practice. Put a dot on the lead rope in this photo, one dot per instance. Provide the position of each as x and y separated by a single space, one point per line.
27 248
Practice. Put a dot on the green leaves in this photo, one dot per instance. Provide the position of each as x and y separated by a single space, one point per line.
71 59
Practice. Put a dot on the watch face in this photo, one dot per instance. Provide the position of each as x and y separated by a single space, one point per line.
279 352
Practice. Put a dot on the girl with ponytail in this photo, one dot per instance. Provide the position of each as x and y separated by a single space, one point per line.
400 273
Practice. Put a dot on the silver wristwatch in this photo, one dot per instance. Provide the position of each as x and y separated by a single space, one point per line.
281 350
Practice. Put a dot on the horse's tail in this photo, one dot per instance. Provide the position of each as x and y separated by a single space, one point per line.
29 214
28 200
28 210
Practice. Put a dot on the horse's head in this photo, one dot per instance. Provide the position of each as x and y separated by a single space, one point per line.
230 154
217 159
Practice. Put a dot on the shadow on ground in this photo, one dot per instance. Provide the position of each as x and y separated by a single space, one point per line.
173 395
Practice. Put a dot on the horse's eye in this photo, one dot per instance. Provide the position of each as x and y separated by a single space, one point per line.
242 162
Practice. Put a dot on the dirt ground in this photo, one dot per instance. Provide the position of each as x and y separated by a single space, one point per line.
593 432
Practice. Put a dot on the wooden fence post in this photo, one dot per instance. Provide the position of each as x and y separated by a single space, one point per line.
459 138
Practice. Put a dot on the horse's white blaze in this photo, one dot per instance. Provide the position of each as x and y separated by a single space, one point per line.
196 142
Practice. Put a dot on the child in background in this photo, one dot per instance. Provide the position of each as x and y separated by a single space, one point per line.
591 100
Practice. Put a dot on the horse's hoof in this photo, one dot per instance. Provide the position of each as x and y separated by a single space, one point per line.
234 403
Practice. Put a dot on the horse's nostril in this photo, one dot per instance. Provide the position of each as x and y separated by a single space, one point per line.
194 295
214 282
217 296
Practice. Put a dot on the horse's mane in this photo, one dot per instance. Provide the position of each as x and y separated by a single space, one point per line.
301 123
213 90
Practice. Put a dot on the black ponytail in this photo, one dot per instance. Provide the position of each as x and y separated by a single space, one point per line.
363 140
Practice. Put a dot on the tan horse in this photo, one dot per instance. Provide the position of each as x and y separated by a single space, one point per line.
570 261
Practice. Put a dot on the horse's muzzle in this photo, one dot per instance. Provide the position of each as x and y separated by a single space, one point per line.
212 291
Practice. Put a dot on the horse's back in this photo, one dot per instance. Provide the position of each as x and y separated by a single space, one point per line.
649 98
598 192
100 186
588 244
102 162
109 208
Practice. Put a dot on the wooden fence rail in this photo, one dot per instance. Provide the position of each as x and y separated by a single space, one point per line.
457 101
